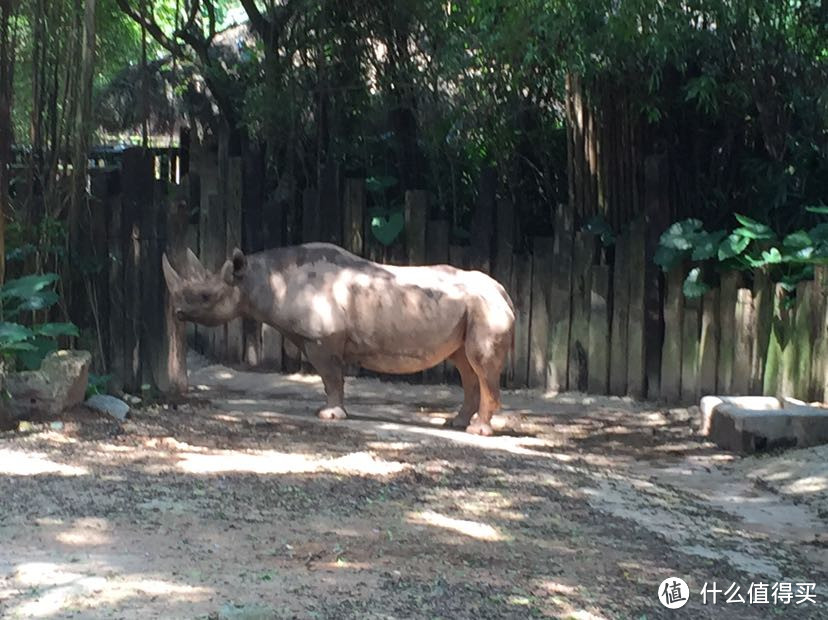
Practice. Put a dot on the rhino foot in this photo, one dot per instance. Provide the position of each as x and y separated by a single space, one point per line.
331 413
458 421
480 428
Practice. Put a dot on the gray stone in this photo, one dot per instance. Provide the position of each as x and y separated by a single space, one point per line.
753 424
59 384
109 405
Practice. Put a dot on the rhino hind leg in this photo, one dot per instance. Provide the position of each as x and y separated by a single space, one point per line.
486 350
329 366
471 389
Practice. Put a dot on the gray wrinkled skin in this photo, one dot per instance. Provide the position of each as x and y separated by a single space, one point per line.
341 309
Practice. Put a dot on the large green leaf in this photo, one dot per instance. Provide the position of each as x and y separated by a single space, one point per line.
707 244
753 229
27 286
667 258
53 330
817 210
31 359
732 246
681 235
797 240
12 332
772 256
386 227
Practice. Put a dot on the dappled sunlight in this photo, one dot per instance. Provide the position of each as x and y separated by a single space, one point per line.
49 589
21 463
472 529
86 532
811 484
273 462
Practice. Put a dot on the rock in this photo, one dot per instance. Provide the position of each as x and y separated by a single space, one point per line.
755 424
59 384
135 401
56 426
109 405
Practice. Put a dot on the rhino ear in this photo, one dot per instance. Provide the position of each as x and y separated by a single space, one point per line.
172 278
239 263
197 270
227 273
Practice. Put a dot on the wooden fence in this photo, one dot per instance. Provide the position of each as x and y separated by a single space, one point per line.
589 318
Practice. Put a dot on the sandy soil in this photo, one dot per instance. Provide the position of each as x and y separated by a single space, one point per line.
238 503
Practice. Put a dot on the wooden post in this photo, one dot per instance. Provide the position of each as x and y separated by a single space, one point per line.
581 295
727 335
416 216
273 219
542 251
819 367
505 242
599 332
310 216
437 253
620 317
559 302
175 378
671 357
709 343
483 220
117 326
233 240
763 313
690 351
743 342
802 341
329 209
775 380
354 216
636 369
216 243
522 285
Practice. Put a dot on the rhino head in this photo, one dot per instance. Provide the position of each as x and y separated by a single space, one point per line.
203 297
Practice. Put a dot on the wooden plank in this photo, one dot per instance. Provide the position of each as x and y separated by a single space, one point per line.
459 256
208 186
559 302
354 216
819 367
727 335
116 289
233 240
802 341
522 285
671 357
505 242
311 225
213 260
636 368
330 211
709 342
620 317
583 253
272 346
690 351
745 330
763 312
542 253
437 253
174 378
482 226
781 328
153 345
599 332
416 216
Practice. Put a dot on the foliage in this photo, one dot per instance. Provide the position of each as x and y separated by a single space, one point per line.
751 245
27 346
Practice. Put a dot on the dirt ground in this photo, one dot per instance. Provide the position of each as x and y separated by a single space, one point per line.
238 503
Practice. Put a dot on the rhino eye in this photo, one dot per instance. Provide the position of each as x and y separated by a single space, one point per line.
205 297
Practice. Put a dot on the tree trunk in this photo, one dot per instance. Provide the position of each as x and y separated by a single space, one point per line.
7 7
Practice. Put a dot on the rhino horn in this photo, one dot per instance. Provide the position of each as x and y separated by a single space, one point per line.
170 275
196 269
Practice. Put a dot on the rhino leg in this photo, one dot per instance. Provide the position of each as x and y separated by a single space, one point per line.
471 389
486 351
329 366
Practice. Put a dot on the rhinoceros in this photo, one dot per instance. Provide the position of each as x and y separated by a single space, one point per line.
341 309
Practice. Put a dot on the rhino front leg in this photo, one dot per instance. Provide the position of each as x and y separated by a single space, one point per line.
329 366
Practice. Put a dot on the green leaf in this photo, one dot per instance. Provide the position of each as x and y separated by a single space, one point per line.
797 240
732 246
667 258
753 229
53 330
38 301
817 210
772 256
681 235
707 244
377 184
386 227
27 286
12 332
32 359
693 285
